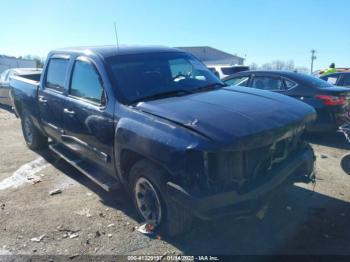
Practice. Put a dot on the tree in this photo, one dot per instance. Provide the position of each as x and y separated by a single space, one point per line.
289 65
253 66
39 61
267 66
278 64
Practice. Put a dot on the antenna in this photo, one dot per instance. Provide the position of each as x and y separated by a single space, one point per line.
116 35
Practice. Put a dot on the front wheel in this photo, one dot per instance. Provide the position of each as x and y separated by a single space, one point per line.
148 189
34 139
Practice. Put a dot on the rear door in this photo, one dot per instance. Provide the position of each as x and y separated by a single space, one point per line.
51 95
88 125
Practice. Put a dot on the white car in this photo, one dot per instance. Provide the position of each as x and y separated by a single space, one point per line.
5 81
223 71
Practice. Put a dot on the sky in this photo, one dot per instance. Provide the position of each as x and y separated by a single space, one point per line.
261 31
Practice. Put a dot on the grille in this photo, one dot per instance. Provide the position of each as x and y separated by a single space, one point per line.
226 169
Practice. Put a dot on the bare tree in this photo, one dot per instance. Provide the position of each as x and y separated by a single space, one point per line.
267 66
289 65
278 64
253 66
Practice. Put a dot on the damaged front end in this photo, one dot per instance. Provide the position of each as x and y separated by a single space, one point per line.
231 181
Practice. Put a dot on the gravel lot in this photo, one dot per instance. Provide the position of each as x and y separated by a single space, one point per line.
84 219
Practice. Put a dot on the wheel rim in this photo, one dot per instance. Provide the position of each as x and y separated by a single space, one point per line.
148 201
28 131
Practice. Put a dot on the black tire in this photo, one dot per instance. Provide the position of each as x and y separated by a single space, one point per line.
33 137
175 219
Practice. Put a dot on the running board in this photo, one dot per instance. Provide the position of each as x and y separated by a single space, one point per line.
95 174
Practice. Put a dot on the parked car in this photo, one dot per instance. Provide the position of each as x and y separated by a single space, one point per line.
223 71
5 77
156 121
338 79
331 103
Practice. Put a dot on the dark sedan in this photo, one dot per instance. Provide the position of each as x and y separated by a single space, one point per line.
330 102
338 79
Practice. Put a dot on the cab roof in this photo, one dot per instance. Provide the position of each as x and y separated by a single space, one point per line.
113 50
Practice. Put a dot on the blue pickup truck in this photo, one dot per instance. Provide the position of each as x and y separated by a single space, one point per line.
156 121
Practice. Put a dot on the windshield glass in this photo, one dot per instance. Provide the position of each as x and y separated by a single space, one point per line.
142 76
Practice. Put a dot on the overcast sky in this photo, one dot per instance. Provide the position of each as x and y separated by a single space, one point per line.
262 30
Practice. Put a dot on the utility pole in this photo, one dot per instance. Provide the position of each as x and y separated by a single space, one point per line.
313 57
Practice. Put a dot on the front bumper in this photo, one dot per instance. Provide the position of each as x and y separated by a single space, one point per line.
212 206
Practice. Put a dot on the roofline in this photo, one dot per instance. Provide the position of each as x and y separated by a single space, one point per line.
211 48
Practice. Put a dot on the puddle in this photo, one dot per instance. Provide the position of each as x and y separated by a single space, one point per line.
20 176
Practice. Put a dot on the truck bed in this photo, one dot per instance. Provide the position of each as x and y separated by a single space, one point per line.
24 94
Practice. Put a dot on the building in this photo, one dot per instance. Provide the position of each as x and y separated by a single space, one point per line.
7 62
212 56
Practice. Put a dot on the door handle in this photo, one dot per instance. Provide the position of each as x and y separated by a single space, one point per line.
69 112
42 99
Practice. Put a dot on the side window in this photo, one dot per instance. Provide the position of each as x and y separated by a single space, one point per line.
346 80
56 74
238 81
267 83
86 83
289 84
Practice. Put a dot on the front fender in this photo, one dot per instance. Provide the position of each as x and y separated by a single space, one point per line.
163 142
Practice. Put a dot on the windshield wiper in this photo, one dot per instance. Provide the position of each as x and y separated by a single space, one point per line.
209 87
179 92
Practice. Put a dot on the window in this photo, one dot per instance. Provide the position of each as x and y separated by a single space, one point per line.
346 80
180 68
267 83
56 74
143 76
238 81
289 84
86 83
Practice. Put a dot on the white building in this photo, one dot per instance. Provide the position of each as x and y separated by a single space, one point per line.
7 62
212 56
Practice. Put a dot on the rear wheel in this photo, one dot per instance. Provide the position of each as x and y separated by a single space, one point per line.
148 188
34 139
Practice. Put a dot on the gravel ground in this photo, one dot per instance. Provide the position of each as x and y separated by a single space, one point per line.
85 220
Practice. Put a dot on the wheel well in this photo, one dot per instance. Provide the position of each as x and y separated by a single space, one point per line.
127 159
18 108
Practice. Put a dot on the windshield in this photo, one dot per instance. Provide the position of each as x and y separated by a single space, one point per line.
142 76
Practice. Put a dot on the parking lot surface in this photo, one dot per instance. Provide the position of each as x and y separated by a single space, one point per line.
82 219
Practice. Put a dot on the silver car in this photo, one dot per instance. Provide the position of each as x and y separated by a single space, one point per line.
5 81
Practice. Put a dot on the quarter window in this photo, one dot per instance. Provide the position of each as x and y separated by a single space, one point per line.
289 84
56 74
86 83
267 83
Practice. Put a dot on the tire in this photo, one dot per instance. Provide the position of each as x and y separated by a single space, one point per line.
33 137
174 219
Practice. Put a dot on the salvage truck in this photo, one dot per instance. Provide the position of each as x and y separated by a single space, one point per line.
157 122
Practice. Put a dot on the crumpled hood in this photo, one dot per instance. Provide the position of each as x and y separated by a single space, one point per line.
226 114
